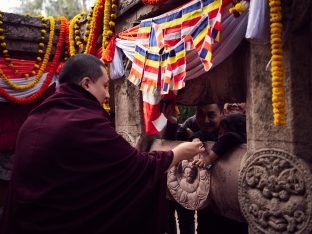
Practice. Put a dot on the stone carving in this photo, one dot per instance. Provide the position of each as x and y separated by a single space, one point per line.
189 185
127 137
275 193
125 5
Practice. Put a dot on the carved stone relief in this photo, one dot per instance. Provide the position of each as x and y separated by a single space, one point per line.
189 185
275 193
125 5
127 137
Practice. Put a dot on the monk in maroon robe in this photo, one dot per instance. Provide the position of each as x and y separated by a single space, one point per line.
74 174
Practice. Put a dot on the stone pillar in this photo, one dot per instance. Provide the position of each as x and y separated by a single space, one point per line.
128 109
275 181
127 97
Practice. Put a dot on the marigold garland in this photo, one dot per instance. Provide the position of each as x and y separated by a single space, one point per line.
106 28
52 70
153 2
42 67
95 27
78 39
239 7
88 26
277 70
71 34
106 106
39 58
106 101
66 50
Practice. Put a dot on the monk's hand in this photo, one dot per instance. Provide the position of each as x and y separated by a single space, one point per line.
187 150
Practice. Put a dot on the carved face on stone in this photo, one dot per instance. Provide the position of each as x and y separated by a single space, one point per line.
189 185
276 215
189 174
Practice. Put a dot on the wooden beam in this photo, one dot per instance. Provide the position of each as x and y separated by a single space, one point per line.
22 35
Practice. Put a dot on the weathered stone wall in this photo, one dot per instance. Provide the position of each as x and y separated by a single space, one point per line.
23 34
128 111
275 180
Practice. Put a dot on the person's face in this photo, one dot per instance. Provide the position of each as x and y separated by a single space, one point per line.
99 88
234 108
189 175
208 117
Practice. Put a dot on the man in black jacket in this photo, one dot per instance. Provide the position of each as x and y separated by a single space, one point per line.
205 126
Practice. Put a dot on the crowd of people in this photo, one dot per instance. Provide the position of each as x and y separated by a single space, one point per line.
73 173
224 124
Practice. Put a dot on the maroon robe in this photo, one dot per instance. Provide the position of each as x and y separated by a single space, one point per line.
74 174
12 116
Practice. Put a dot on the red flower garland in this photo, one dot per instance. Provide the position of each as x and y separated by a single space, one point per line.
96 25
153 2
67 38
49 77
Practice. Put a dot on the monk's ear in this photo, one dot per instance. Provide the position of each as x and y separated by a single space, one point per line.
85 83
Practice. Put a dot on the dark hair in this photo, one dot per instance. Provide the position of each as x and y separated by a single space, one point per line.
234 123
80 66
220 105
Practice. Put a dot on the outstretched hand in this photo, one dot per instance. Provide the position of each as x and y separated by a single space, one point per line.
170 113
186 151
206 160
200 162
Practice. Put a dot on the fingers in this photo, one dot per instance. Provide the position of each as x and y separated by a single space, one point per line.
198 145
195 162
196 140
199 162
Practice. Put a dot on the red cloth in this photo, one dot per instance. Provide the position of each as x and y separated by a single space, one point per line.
110 50
12 116
74 174
23 67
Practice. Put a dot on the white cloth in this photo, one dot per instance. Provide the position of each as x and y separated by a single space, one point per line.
258 21
116 67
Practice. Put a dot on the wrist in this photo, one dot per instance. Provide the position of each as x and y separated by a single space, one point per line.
173 121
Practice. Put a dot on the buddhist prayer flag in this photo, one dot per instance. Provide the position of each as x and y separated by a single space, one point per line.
160 53
158 35
151 72
138 63
205 53
191 15
154 121
175 69
199 19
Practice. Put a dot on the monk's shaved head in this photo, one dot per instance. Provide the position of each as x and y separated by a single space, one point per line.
79 66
